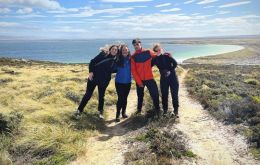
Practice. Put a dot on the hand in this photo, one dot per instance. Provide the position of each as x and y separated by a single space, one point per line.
167 73
90 76
168 54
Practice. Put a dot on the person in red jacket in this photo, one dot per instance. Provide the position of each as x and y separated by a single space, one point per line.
141 69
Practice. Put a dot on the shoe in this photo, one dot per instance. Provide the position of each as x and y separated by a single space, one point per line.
101 116
172 114
164 113
124 116
78 114
117 120
176 115
138 112
158 114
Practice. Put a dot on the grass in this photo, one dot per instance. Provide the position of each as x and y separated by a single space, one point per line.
46 95
157 142
232 57
230 93
43 96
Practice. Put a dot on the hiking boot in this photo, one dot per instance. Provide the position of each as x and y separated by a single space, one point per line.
157 114
101 115
124 116
77 114
117 120
138 112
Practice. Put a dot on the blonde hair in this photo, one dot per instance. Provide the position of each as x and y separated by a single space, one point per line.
156 46
105 49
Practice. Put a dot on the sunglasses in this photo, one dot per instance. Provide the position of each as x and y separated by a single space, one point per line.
157 50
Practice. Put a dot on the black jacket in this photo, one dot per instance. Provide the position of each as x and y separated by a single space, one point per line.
165 63
102 67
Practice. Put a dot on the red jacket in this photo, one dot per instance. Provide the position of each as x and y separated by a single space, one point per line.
141 66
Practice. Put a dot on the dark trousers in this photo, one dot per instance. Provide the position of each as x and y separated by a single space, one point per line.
153 90
91 85
122 93
170 82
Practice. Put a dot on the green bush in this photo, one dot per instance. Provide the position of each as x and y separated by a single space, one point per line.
228 92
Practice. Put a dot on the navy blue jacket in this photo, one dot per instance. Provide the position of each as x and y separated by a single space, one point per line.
102 67
165 63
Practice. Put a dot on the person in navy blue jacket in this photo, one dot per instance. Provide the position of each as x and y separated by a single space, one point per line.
100 69
166 65
123 81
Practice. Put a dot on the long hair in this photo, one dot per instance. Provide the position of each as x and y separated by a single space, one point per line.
106 49
120 57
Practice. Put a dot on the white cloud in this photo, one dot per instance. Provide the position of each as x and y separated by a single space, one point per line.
206 2
4 10
69 29
125 1
183 25
163 5
223 12
90 12
29 16
8 24
26 10
48 4
235 4
140 6
188 2
171 10
110 16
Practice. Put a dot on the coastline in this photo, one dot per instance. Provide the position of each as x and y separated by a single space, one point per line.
250 55
182 50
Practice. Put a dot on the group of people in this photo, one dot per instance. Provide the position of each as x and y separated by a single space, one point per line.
117 59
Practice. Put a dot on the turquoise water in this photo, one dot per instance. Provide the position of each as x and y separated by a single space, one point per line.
82 51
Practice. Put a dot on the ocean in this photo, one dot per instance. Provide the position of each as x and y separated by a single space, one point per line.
82 51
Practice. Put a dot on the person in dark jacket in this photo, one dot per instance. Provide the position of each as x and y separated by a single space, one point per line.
122 81
141 69
166 65
100 70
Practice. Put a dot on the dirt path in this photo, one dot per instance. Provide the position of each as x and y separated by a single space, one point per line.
108 148
213 142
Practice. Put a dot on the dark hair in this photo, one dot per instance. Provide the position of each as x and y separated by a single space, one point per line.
112 47
137 40
120 57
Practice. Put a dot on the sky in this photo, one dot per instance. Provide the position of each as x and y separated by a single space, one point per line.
82 19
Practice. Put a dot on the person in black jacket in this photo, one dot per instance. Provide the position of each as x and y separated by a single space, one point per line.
166 65
100 70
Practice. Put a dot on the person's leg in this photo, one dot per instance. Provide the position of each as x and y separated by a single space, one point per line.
140 95
101 93
174 86
153 90
164 84
126 90
89 91
120 94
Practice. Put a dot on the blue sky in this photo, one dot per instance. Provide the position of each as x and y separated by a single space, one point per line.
82 19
